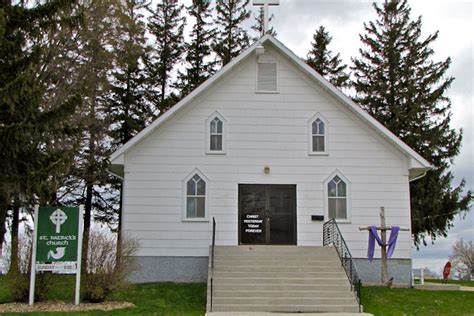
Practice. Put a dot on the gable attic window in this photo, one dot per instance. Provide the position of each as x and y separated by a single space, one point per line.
215 134
267 77
318 135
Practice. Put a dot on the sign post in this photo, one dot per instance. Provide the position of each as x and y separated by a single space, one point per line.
57 244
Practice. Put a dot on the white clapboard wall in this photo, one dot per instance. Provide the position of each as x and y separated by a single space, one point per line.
261 129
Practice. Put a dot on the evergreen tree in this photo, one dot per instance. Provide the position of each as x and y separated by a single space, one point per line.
320 59
89 183
27 125
129 111
199 49
231 38
259 24
166 24
399 84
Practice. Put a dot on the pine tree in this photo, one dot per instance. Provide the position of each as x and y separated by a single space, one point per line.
320 59
88 182
29 128
399 84
259 24
231 38
198 51
128 110
166 24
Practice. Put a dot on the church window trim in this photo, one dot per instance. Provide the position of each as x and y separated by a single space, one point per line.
216 130
318 135
196 197
337 193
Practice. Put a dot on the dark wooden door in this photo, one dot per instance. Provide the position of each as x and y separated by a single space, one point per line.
267 214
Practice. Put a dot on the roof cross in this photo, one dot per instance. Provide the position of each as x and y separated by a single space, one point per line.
266 17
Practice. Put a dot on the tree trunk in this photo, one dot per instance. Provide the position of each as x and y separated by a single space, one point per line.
119 228
87 225
14 255
4 197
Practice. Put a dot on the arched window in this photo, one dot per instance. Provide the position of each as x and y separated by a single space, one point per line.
337 198
215 134
318 135
195 197
318 140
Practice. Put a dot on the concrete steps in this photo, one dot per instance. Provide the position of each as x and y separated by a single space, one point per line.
279 279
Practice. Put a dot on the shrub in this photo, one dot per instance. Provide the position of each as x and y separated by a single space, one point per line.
108 266
19 278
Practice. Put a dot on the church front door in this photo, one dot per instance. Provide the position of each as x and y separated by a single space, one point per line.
267 214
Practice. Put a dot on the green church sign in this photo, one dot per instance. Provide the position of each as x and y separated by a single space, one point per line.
57 235
57 243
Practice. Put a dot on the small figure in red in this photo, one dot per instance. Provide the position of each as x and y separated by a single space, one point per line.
446 271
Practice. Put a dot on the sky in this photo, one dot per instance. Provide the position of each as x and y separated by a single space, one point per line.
296 20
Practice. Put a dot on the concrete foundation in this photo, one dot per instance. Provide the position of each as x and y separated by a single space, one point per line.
370 271
194 269
170 269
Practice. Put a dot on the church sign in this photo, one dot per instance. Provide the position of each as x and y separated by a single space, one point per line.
57 243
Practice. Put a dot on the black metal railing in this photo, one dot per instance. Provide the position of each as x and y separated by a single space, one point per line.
212 257
332 236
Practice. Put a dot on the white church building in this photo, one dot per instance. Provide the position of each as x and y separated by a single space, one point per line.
271 151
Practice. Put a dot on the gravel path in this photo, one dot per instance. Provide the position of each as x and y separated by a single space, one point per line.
59 306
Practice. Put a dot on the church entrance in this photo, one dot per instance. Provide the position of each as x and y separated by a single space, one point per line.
267 214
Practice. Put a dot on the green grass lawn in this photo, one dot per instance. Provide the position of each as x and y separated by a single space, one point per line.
190 299
150 299
384 301
458 282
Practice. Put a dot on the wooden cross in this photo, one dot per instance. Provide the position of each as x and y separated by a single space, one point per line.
266 17
383 235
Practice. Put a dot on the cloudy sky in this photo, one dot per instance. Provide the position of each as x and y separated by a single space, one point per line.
296 20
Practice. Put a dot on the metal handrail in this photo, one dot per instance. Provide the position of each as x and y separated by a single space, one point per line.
333 236
212 256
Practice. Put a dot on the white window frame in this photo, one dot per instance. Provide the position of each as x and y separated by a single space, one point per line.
277 77
184 218
208 134
310 135
348 197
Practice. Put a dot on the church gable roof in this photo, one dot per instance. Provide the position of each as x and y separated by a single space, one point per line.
416 162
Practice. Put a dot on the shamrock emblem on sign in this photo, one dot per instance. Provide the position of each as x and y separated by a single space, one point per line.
58 218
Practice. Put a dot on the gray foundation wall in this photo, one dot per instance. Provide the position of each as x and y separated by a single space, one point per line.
194 269
170 269
399 269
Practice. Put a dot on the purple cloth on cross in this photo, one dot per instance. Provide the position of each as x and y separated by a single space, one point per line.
373 236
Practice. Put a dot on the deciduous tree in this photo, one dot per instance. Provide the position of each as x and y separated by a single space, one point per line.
463 258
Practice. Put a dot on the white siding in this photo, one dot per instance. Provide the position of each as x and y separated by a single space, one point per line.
262 129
